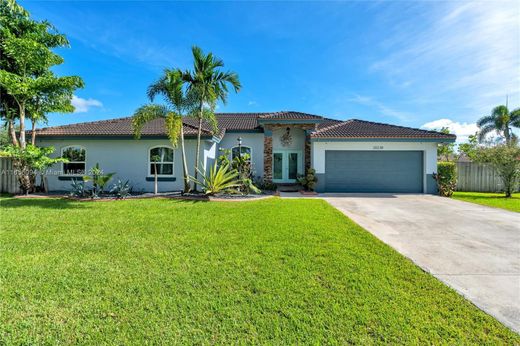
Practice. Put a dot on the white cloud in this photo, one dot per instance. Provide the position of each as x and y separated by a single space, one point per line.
82 105
462 130
252 103
463 52
381 108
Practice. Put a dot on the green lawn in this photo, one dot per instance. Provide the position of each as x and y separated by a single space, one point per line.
164 271
496 200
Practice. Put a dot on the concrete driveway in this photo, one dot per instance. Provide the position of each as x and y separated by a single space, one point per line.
474 249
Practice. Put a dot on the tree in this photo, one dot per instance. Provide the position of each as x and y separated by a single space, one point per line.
28 87
505 159
470 149
25 61
501 121
445 150
179 104
209 84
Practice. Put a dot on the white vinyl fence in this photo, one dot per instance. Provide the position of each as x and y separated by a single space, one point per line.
8 180
477 177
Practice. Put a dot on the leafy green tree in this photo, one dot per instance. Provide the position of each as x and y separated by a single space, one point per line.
209 84
445 150
501 120
470 148
179 104
26 58
505 159
29 162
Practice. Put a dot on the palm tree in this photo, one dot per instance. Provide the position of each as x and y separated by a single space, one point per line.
210 84
501 121
170 87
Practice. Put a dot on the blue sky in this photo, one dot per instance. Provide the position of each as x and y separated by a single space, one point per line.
421 64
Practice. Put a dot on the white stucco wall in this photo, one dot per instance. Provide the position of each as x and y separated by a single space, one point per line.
298 139
253 140
128 158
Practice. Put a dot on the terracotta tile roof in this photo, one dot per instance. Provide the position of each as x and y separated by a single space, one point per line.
114 127
327 128
290 115
355 128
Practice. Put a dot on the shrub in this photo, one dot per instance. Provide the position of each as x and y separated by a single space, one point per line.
446 178
78 189
121 189
309 180
220 179
505 159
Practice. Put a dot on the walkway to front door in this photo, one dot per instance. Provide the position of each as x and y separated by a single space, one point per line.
287 165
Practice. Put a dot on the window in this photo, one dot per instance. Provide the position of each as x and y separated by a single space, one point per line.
244 150
76 156
162 158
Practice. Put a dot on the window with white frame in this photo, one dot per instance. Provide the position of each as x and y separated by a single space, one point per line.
243 150
162 159
76 156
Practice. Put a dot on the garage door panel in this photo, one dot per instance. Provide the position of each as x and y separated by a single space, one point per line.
374 171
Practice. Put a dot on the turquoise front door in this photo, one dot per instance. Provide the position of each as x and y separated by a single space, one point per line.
287 165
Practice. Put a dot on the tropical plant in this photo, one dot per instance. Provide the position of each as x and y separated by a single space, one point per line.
220 179
209 84
179 104
99 180
121 189
309 180
501 120
446 178
505 159
78 188
29 162
28 87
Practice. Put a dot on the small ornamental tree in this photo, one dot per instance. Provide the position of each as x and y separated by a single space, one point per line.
446 178
505 159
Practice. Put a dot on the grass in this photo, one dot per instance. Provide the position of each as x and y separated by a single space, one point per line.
495 200
176 272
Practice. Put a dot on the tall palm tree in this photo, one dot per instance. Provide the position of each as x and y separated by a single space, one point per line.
179 104
210 84
501 121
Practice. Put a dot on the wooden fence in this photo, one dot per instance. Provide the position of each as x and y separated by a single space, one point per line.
477 177
8 180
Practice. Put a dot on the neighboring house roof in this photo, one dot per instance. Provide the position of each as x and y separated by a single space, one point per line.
355 128
325 128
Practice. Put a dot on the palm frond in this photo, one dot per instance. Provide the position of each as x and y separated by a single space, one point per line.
484 131
486 120
515 117
145 114
173 125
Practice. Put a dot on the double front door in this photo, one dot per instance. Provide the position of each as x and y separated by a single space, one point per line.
287 165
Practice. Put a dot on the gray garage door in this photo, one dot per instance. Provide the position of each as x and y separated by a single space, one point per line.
374 171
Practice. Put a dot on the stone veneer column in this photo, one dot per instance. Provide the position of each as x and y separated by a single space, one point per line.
268 155
307 151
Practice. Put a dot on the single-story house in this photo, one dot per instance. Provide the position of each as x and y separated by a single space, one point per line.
348 156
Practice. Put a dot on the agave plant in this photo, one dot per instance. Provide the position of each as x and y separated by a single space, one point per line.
219 180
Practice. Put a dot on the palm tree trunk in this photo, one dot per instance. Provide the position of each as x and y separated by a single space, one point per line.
33 132
507 134
184 163
197 155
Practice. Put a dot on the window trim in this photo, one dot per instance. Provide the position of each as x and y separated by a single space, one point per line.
148 167
64 174
243 146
